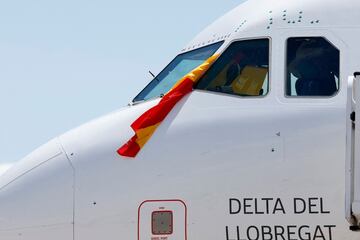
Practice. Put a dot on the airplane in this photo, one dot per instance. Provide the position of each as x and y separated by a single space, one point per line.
250 133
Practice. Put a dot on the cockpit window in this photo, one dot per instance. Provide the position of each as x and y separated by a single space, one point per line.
178 68
313 66
243 69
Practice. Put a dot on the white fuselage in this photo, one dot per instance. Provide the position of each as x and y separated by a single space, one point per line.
229 167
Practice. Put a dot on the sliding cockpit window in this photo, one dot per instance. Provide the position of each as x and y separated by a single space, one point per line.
243 70
178 68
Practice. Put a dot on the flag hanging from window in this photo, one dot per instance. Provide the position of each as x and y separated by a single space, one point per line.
145 126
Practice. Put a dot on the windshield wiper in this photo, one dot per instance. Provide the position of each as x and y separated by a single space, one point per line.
153 75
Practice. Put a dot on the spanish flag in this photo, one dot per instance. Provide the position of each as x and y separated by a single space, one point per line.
145 126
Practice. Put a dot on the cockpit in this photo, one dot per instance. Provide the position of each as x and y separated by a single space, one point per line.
243 69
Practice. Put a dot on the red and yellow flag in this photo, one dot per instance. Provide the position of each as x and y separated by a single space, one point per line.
148 122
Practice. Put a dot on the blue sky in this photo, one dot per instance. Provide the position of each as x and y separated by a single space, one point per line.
63 63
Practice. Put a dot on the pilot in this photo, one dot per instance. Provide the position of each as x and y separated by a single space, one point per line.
312 66
232 72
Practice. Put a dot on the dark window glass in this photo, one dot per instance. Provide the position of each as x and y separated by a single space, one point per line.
312 67
243 69
178 68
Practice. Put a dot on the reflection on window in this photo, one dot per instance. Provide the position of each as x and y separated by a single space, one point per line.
243 69
312 67
178 68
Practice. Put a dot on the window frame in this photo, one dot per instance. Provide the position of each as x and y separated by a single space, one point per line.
172 223
225 47
286 68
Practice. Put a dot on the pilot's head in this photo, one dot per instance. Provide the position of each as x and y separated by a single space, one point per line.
313 58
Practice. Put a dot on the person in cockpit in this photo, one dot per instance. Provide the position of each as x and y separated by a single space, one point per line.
241 70
312 64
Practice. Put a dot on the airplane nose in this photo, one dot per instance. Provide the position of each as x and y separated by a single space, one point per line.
36 196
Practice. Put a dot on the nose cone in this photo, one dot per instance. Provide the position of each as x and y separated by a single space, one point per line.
36 196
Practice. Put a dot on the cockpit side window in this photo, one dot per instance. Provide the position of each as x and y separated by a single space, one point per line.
313 66
243 69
